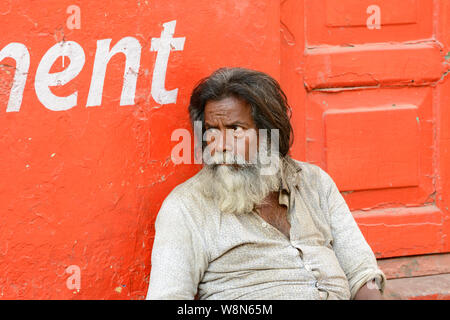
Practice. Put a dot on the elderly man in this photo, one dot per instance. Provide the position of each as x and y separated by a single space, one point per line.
232 232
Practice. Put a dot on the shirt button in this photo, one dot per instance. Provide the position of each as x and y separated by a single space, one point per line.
264 224
316 284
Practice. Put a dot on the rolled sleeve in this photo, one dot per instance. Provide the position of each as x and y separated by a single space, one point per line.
179 259
352 251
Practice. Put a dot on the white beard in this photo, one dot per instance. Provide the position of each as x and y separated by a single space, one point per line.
236 189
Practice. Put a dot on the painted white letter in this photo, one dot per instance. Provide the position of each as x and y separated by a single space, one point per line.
164 45
20 53
131 48
44 79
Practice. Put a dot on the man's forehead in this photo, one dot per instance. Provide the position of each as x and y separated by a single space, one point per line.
228 108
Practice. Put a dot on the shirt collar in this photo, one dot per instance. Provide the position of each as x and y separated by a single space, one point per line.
290 176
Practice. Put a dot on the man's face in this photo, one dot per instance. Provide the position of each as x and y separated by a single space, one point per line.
231 128
231 131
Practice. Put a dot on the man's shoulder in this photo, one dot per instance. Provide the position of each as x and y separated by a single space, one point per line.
313 174
185 203
309 169
185 189
305 165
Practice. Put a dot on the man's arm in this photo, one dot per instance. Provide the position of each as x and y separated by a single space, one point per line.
179 258
354 254
369 291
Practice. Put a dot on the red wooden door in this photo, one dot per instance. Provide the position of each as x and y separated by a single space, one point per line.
367 81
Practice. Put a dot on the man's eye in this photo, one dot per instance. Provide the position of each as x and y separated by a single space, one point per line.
238 131
210 133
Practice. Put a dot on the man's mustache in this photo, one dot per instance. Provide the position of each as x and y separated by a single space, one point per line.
227 158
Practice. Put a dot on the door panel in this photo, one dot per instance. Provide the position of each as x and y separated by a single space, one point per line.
375 141
371 100
340 22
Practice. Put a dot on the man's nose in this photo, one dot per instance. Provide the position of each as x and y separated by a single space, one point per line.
224 141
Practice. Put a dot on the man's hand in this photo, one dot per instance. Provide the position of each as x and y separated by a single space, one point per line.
369 291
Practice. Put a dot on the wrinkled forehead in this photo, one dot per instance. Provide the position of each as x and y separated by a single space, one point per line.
228 110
